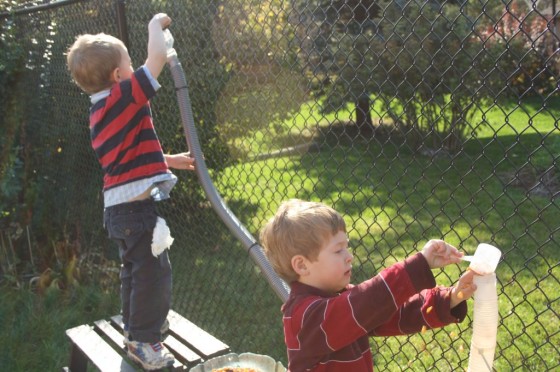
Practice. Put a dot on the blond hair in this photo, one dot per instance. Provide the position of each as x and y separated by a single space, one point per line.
92 59
298 228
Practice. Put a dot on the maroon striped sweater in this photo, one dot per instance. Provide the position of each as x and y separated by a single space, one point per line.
123 134
326 332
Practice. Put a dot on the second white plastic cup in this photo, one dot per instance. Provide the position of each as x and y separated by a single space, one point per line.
485 259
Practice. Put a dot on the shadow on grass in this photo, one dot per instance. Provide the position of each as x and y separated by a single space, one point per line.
393 200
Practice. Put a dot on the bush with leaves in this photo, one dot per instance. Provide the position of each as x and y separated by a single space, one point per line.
423 64
531 42
11 110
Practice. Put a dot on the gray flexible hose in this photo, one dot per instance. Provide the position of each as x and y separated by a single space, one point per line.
235 226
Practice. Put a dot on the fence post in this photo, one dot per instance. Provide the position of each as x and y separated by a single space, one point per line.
121 22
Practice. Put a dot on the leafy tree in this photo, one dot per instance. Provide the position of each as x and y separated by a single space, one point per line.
424 63
17 176
435 73
529 31
335 48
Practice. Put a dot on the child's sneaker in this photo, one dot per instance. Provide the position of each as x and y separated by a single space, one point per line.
150 356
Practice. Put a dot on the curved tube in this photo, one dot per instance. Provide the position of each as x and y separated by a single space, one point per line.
235 226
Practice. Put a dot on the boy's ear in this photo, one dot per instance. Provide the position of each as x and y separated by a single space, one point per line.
116 75
299 264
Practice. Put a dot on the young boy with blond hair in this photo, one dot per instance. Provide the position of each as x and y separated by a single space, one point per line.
327 321
136 174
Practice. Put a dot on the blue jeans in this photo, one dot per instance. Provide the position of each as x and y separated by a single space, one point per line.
145 280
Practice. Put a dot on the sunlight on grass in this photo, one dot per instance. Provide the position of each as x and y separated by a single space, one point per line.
300 128
528 117
393 201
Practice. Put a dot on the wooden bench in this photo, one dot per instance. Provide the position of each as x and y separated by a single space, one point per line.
102 345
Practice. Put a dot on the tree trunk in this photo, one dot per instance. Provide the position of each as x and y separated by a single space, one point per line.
363 114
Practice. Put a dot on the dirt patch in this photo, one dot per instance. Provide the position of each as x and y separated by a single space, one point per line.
540 182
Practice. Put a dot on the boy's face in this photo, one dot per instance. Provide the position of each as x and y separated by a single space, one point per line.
332 269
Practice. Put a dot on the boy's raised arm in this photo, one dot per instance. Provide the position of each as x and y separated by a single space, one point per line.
157 52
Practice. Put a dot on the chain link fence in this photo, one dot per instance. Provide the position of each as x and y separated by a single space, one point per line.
414 119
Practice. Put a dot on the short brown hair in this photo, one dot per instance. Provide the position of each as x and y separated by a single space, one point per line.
298 228
92 59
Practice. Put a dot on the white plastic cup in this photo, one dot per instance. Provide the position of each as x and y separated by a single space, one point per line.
485 259
485 317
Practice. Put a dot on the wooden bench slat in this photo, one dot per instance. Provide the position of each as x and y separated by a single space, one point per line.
104 357
117 337
108 330
182 352
102 343
201 341
117 322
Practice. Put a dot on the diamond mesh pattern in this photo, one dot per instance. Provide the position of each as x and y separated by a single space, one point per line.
415 119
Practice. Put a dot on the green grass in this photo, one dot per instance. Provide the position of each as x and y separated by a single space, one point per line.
388 223
32 327
393 201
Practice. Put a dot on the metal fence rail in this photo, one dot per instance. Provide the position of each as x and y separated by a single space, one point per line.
416 120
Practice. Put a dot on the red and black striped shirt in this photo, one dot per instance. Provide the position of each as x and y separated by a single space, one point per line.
123 135
325 332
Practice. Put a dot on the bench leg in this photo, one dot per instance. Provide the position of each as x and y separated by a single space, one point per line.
78 360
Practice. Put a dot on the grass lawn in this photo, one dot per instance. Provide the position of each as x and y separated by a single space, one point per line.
32 327
393 201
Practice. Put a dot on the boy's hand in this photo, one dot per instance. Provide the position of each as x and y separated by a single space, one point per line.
162 19
439 254
180 161
464 289
157 50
